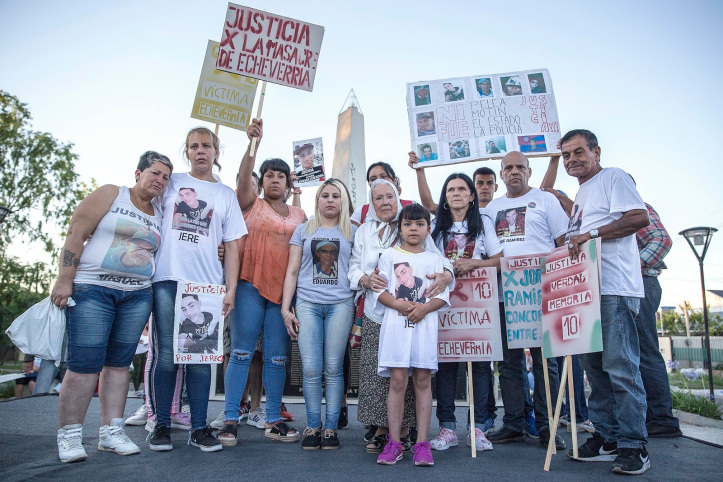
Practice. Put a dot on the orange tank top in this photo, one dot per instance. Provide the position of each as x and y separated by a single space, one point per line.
266 255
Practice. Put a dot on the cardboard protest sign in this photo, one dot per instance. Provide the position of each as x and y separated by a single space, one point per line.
482 117
309 162
522 295
223 98
198 329
470 329
571 321
269 47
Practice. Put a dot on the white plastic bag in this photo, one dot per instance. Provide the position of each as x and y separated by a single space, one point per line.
40 330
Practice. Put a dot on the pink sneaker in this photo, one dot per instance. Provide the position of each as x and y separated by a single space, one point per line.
480 441
423 454
446 439
392 452
181 420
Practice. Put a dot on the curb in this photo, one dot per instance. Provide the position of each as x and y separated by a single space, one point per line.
698 420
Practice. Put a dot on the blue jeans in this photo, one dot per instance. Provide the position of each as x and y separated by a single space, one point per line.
323 337
512 382
652 365
163 370
252 313
617 401
446 385
578 385
46 375
104 326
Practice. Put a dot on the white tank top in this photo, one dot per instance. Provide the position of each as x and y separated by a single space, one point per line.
120 253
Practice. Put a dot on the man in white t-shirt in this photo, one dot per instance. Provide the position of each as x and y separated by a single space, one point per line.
611 208
537 225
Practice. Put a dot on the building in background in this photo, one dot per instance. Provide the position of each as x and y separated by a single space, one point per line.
349 155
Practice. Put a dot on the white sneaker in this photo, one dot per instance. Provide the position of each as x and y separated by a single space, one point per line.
218 423
138 418
446 439
70 443
480 441
257 418
114 439
151 423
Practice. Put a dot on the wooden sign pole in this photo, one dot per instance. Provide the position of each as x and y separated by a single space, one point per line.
215 131
573 418
547 389
258 116
470 397
556 419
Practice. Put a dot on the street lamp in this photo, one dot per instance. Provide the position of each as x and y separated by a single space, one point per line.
3 213
701 237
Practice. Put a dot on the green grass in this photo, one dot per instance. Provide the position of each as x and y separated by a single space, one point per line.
676 380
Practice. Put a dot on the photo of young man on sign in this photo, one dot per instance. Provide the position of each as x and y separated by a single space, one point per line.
309 162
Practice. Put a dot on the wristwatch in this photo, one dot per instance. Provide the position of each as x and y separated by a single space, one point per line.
594 233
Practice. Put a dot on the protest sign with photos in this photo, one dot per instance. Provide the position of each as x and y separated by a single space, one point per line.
470 329
571 321
484 116
223 98
309 162
522 296
198 326
269 47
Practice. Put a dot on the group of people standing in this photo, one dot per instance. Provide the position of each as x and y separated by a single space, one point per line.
389 262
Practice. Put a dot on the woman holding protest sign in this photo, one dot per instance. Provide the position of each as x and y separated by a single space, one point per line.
468 240
379 232
199 213
106 266
271 224
317 273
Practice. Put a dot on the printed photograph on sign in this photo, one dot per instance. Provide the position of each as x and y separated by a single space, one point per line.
425 124
191 213
427 152
537 83
533 144
484 87
496 145
325 256
421 95
470 329
221 97
199 323
270 47
571 321
452 92
132 249
511 85
462 115
511 222
309 162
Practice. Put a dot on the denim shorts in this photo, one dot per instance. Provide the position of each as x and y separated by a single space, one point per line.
104 326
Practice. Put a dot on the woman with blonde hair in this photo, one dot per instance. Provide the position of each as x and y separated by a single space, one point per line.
317 273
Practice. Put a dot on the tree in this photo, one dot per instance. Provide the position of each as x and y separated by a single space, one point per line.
38 182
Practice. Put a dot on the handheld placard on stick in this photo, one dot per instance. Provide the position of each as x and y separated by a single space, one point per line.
573 418
258 116
556 419
215 131
470 396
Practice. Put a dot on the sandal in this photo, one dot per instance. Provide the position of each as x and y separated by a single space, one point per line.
282 432
231 430
376 445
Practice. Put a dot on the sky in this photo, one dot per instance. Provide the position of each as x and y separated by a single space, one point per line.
119 78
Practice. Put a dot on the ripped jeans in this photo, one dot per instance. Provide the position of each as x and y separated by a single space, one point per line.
252 313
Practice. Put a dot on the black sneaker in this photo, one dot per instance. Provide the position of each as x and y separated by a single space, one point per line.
413 434
312 439
330 441
343 418
632 461
369 436
595 450
658 430
545 439
505 435
160 439
203 438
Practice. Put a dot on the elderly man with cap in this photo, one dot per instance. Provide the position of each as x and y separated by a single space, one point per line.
612 210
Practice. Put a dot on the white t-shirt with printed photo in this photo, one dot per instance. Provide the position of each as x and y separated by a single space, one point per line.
600 201
455 244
